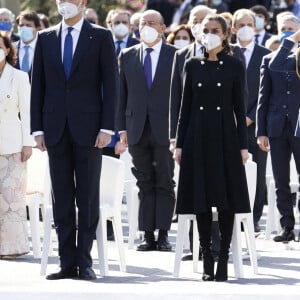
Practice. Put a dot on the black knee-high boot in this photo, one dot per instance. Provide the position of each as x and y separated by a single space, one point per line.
204 227
226 219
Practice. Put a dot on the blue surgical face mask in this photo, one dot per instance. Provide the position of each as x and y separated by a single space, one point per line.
259 23
5 26
284 35
26 34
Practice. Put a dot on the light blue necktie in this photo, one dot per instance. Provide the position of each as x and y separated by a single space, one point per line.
25 62
68 53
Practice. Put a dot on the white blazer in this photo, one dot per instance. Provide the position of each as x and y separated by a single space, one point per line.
14 100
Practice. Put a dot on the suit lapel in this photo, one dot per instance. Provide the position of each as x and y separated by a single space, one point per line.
56 49
85 37
163 57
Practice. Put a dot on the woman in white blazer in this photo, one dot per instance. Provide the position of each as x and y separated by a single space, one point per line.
15 149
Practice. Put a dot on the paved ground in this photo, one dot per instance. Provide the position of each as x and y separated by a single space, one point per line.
149 276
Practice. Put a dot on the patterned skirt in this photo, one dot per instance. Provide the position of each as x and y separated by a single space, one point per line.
13 220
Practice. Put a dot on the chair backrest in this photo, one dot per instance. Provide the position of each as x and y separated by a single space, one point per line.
38 177
251 173
112 182
127 159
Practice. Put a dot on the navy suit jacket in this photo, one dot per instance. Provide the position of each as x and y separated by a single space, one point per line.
85 101
253 72
131 42
265 38
279 94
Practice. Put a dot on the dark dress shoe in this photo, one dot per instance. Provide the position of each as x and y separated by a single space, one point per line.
257 227
63 274
147 246
87 274
111 237
285 236
163 244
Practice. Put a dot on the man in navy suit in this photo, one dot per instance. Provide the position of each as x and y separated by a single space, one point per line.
262 19
120 25
142 117
277 114
243 22
29 24
74 88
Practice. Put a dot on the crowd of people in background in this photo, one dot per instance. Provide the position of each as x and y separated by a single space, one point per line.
201 83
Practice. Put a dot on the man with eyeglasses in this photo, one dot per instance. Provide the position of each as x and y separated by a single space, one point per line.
142 120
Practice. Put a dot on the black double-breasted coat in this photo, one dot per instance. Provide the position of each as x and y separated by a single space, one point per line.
211 132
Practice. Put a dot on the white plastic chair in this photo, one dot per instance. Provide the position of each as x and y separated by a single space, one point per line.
273 216
247 220
111 192
37 194
131 193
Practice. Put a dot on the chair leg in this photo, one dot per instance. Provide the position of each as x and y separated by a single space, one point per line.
236 248
195 246
101 235
33 207
46 239
270 225
250 240
117 226
181 232
133 215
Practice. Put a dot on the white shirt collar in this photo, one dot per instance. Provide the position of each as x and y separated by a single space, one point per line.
31 44
124 39
76 26
156 47
249 47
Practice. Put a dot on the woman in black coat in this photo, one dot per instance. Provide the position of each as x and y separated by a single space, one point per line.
211 144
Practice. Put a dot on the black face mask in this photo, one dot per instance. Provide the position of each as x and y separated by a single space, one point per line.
92 21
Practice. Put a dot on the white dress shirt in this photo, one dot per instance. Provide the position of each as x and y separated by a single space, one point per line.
248 52
199 50
154 55
30 51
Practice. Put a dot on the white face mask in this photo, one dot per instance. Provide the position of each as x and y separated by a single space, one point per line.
2 54
68 10
216 2
120 30
245 34
196 31
149 34
181 43
210 41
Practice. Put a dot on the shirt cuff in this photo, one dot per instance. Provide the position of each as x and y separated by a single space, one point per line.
36 133
122 131
108 131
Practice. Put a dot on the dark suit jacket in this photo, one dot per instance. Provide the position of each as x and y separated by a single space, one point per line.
253 72
265 38
131 42
137 103
86 100
17 65
279 93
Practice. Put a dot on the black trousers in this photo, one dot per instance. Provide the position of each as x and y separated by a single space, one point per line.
260 158
281 150
75 174
154 170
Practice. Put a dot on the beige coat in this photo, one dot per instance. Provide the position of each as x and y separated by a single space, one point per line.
14 100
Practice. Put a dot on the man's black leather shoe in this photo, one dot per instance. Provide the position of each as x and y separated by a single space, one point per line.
63 274
285 236
163 244
257 227
147 246
87 273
